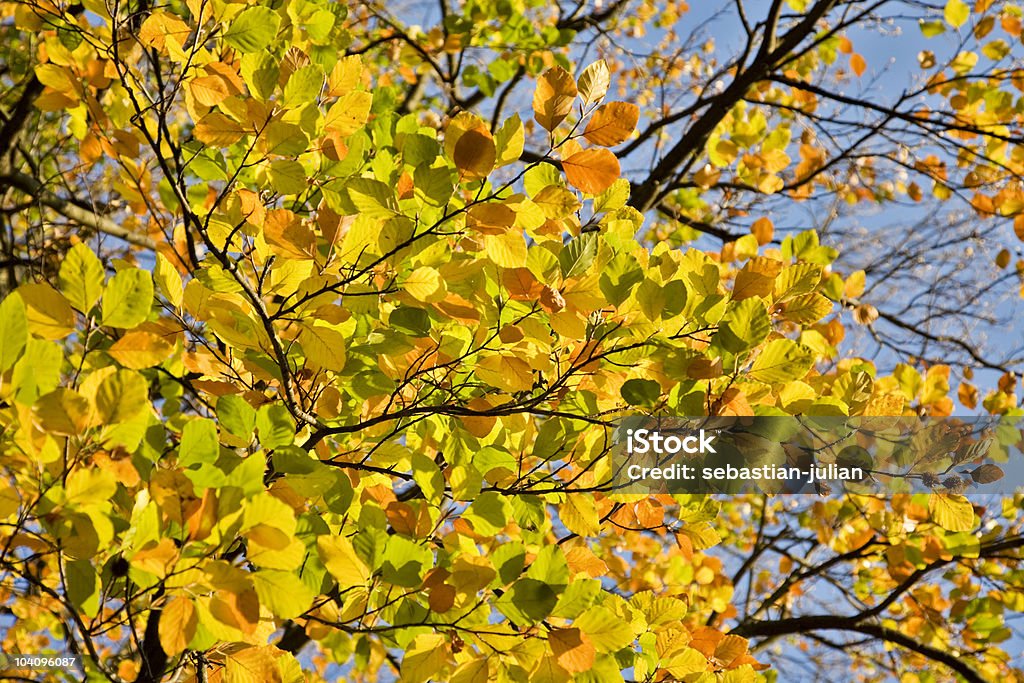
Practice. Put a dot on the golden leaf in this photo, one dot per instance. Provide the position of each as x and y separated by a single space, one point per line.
612 124
553 98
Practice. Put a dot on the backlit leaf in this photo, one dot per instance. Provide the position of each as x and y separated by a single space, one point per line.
553 97
593 170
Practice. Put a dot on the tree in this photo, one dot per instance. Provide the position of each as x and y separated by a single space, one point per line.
313 350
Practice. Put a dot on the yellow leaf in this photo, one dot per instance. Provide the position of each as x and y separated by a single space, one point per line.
424 658
340 559
756 278
425 284
491 219
177 625
612 124
161 25
685 662
506 372
217 129
253 665
951 512
349 114
208 91
506 251
56 77
593 170
553 97
324 346
957 13
854 286
345 76
593 83
50 316
157 558
579 514
139 349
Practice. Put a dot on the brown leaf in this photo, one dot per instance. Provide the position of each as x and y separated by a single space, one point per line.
592 170
986 474
612 123
553 98
475 154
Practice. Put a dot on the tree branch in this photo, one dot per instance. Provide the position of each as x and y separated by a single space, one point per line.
83 217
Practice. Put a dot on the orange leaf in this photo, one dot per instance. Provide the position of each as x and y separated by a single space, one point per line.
763 230
573 649
553 98
858 64
521 284
592 170
475 154
238 610
612 123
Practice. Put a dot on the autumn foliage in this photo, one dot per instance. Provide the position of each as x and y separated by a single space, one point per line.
314 339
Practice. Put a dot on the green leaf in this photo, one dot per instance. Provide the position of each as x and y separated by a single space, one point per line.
578 254
13 330
405 562
253 29
578 596
121 396
745 325
128 299
236 415
303 86
428 476
260 72
83 586
640 392
198 443
489 513
283 593
81 278
607 631
168 280
781 360
529 601
276 427
287 176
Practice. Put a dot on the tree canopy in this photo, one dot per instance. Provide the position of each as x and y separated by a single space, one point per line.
317 321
